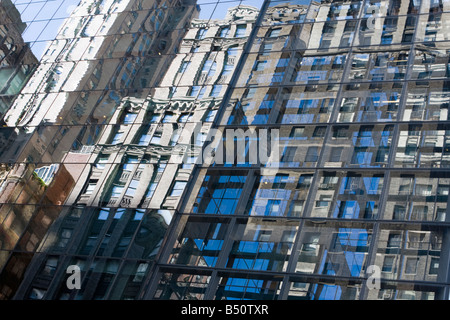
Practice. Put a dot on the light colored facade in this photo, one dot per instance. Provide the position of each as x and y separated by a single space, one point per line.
144 156
17 61
68 101
358 91
358 94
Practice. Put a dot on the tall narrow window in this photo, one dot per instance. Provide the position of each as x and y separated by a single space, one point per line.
240 30
117 138
178 188
132 188
101 161
224 32
90 188
193 91
335 154
156 139
201 34
215 91
312 154
289 154
184 66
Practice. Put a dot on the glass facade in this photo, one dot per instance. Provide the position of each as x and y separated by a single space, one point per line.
223 150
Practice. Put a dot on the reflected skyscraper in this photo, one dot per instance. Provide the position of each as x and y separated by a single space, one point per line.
18 61
129 151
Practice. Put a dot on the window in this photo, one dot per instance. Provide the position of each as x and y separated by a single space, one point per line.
280 181
240 30
144 139
382 155
178 188
250 93
273 208
340 132
215 91
232 51
297 132
224 32
335 154
156 139
324 201
194 90
140 272
266 49
219 194
361 156
130 162
388 264
129 118
37 294
209 67
264 235
319 132
289 154
434 265
117 137
155 118
424 190
90 188
103 214
64 237
312 154
416 240
189 162
175 136
311 243
296 208
440 214
201 34
168 117
386 39
50 266
132 188
116 191
399 212
274 33
419 212
151 189
210 116
304 182
101 161
411 265
394 240
184 66
138 214
183 118
260 65
227 69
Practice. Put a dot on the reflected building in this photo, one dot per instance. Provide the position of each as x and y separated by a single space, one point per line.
130 166
357 91
108 170
66 107
17 59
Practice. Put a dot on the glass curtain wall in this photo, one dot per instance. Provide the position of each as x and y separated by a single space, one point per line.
109 128
352 98
210 149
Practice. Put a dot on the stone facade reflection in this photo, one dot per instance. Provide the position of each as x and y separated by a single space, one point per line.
101 147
